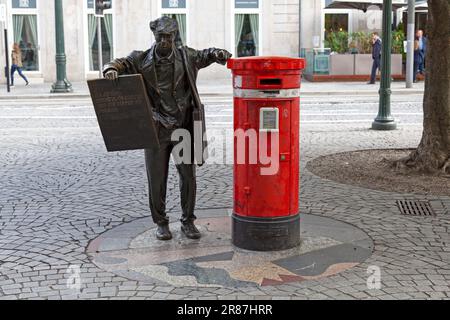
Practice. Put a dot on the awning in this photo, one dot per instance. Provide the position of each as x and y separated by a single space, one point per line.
422 5
361 4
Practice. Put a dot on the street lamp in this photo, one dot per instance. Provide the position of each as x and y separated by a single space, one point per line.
3 20
100 6
410 49
384 120
62 85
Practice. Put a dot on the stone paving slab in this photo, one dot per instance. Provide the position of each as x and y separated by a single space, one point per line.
60 190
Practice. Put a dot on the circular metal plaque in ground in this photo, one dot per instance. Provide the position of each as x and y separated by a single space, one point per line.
131 250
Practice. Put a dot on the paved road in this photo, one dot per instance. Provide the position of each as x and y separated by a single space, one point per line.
60 190
359 111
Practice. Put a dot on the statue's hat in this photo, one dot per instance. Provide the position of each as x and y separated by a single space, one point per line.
164 25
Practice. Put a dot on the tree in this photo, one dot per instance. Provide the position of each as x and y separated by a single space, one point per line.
433 153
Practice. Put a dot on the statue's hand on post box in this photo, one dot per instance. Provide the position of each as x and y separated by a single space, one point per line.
222 56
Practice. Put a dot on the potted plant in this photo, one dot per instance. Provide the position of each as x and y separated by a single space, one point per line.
341 63
363 60
351 54
398 37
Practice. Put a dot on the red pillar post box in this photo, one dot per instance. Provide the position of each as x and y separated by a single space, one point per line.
266 152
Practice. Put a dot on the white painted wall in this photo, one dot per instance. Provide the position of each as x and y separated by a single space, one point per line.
311 23
210 23
281 27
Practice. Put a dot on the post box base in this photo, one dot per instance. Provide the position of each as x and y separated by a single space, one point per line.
266 234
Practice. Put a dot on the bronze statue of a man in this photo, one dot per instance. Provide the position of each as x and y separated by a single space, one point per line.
170 73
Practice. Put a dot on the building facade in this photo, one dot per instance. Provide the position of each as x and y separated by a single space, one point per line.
244 27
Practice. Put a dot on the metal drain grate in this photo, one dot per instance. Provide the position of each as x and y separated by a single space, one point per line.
416 208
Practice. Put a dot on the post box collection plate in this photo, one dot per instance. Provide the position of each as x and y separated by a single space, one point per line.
269 121
124 113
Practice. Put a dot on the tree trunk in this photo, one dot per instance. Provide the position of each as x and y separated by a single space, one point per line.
433 153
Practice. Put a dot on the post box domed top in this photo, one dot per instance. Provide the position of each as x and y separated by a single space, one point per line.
266 63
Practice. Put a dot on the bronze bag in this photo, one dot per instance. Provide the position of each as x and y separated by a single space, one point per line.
198 117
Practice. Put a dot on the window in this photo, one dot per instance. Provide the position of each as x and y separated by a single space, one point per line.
336 22
107 40
247 23
24 4
247 34
92 37
336 26
421 21
25 32
177 9
26 36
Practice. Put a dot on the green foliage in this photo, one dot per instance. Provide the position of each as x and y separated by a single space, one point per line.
360 42
337 41
398 37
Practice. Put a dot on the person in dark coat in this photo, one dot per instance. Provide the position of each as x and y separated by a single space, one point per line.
376 56
417 59
422 50
169 73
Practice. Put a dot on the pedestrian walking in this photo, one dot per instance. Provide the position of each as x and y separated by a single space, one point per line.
376 56
418 60
16 58
422 50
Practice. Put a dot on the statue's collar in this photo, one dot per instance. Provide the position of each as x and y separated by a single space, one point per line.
150 59
164 60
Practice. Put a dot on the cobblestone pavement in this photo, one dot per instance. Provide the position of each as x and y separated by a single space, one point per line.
60 190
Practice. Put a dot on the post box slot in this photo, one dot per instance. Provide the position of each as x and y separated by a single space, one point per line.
270 82
271 92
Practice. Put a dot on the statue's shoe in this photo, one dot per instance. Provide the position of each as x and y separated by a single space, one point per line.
190 231
163 232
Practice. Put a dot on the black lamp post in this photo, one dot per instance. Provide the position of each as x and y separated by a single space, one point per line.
384 120
62 85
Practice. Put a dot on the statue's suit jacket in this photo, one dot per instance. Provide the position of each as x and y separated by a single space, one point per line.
188 62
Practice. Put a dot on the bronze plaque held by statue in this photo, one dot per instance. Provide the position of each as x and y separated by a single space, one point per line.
124 113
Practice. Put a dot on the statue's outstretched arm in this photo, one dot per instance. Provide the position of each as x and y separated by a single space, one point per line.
125 65
204 58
